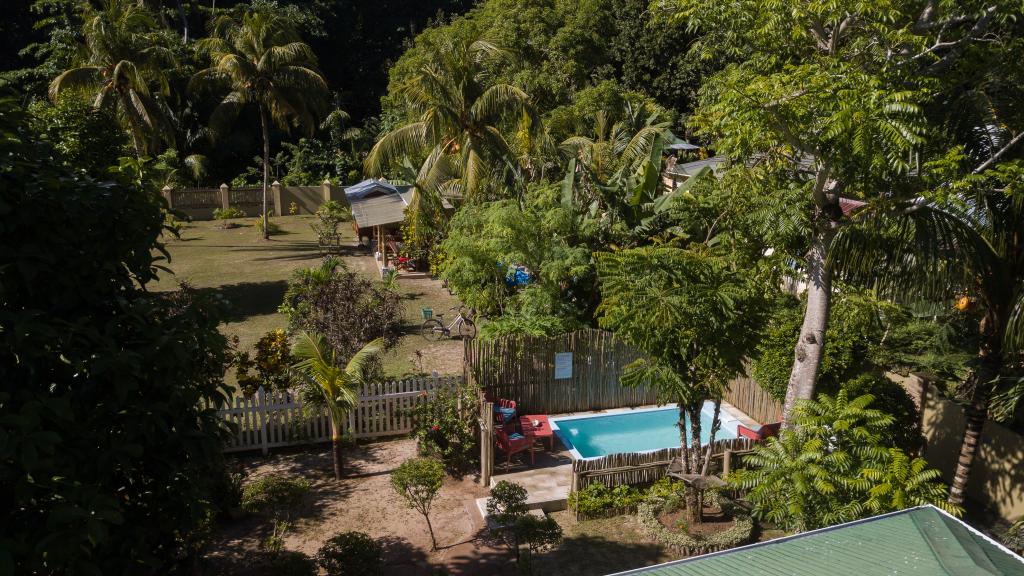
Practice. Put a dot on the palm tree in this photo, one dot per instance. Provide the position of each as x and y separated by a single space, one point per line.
258 59
319 365
123 52
458 122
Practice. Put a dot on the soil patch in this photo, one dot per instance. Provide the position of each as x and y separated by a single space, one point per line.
365 501
714 521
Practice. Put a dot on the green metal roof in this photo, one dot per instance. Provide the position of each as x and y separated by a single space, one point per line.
917 541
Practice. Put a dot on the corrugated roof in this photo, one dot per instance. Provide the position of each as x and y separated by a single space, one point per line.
915 542
380 210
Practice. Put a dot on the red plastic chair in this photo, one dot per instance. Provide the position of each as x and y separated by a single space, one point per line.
765 431
512 444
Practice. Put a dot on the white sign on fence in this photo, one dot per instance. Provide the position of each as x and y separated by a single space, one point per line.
263 421
563 365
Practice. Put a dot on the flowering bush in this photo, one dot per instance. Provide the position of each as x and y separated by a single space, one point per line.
445 427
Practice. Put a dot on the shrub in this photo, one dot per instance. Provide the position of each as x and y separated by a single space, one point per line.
347 308
293 209
891 398
351 554
600 500
418 481
446 431
280 563
274 496
507 506
1014 537
853 326
229 213
832 467
227 494
507 502
272 493
268 366
329 215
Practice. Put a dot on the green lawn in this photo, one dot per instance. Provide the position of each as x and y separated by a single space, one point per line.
252 274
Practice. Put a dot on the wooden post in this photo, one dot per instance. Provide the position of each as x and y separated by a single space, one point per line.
225 196
726 463
261 399
486 442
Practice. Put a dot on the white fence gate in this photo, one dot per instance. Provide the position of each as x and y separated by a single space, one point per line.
269 420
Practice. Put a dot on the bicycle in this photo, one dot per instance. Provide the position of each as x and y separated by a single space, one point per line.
433 329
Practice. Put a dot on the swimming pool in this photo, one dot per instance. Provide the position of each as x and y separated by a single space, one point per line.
642 430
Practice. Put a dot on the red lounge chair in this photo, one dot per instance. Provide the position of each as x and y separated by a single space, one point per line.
511 444
765 431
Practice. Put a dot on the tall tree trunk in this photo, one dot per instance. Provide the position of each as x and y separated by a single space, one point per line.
695 496
716 423
266 168
980 384
810 346
337 454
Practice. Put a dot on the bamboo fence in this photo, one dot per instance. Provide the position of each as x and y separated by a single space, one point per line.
633 468
747 395
523 369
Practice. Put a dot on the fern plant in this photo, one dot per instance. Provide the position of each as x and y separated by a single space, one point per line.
833 467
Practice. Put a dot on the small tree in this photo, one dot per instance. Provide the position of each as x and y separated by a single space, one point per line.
696 319
418 480
347 308
339 387
507 507
538 533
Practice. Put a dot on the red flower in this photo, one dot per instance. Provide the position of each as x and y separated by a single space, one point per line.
435 427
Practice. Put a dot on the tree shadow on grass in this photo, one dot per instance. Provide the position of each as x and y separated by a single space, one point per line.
247 299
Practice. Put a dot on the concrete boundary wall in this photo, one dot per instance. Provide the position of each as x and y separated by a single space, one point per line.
199 203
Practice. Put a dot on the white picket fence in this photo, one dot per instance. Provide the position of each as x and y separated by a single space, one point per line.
270 420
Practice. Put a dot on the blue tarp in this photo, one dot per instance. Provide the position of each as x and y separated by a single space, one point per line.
365 187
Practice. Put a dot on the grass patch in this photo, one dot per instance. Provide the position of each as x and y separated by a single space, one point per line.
251 275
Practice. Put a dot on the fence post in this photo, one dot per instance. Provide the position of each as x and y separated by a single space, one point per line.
486 441
168 194
325 188
275 190
261 400
225 196
726 463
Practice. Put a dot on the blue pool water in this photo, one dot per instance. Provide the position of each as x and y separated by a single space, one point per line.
639 431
